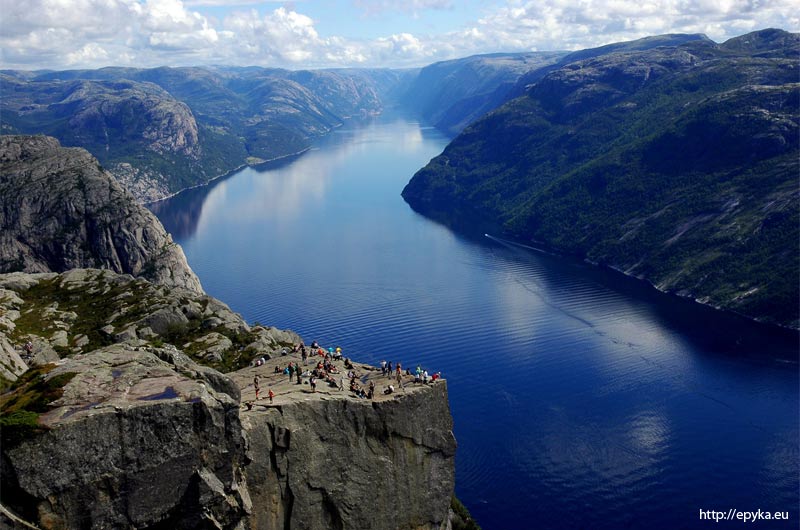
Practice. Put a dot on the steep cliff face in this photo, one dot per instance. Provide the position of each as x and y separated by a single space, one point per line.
339 462
110 425
60 210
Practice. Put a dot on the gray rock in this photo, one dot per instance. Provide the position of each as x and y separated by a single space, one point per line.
161 446
59 339
80 341
339 463
170 447
11 364
165 320
146 333
59 210
126 335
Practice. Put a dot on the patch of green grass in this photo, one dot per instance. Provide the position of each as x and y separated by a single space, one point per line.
28 397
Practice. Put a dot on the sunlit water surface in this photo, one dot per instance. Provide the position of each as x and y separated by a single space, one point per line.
581 399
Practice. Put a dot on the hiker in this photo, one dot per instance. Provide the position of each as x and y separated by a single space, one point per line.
290 371
389 369
271 395
371 391
256 381
297 373
383 367
399 373
313 382
425 377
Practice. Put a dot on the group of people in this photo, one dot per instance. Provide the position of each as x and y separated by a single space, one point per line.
420 375
326 370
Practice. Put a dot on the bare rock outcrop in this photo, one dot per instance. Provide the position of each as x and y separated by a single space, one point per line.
133 441
60 210
122 429
46 316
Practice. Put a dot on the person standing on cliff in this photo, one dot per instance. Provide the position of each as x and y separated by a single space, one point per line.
271 395
313 382
399 371
389 369
256 381
383 367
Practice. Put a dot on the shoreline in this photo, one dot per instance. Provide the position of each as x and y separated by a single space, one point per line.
227 174
266 161
643 280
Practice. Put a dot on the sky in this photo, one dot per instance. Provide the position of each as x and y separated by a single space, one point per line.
68 34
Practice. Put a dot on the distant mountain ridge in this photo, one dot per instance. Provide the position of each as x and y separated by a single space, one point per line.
161 130
676 164
452 94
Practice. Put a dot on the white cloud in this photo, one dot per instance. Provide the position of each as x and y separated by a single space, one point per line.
374 7
94 33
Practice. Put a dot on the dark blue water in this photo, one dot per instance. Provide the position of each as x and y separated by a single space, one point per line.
581 399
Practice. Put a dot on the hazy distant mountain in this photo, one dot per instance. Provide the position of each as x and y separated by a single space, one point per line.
677 164
165 129
453 94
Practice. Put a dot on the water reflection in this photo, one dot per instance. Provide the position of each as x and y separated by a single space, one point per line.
181 214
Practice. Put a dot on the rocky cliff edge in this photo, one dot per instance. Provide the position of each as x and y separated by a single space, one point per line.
113 424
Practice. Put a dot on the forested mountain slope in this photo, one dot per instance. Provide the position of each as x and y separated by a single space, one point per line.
677 164
161 130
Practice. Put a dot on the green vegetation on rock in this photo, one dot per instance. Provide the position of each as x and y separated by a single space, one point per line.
462 519
28 397
676 164
162 130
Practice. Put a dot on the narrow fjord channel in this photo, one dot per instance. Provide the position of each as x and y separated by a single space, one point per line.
581 399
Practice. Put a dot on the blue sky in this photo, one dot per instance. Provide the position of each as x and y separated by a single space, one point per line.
61 34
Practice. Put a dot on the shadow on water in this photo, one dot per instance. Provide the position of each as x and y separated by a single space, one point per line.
708 329
181 213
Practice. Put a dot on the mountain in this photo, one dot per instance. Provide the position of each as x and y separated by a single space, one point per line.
60 210
675 164
162 130
453 94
